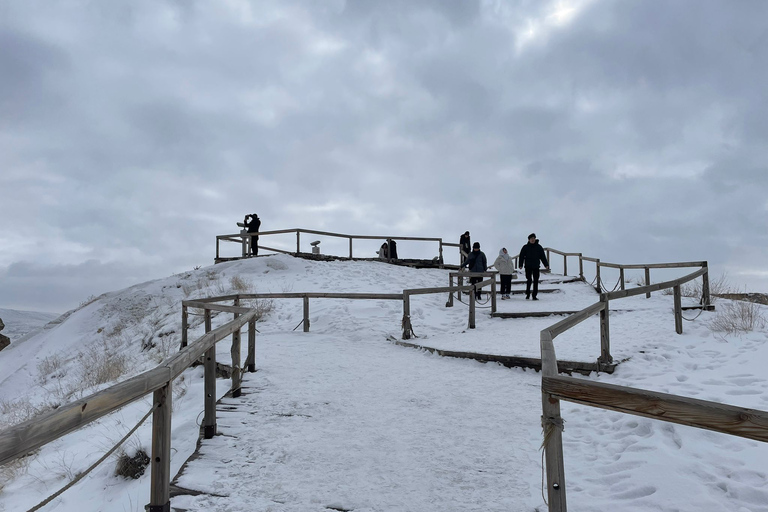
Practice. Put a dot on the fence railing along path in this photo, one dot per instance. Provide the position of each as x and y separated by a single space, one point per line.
243 239
26 437
728 419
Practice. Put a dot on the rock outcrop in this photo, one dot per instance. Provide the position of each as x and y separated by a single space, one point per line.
4 340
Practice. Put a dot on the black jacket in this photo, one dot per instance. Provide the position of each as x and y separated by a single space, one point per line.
254 225
531 255
465 243
476 262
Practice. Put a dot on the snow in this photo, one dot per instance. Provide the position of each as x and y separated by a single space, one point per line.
342 418
18 323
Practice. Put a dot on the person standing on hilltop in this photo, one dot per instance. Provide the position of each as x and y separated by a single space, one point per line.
252 223
476 262
530 255
506 268
464 247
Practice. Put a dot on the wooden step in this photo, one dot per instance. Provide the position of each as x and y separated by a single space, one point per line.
532 314
516 361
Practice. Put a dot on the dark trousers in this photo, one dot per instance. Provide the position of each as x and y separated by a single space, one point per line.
506 284
532 274
254 245
473 280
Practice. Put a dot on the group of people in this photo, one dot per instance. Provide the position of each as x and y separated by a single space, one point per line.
531 257
388 250
251 224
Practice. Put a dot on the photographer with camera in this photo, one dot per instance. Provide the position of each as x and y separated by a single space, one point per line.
252 224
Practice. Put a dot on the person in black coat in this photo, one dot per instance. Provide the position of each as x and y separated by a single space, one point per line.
530 256
252 223
464 246
476 262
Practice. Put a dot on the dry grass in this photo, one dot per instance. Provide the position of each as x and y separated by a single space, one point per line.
738 317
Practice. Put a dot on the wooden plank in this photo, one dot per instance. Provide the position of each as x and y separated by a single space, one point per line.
552 423
321 295
211 299
31 435
216 307
532 314
160 464
306 314
655 287
575 318
640 266
184 359
678 309
727 419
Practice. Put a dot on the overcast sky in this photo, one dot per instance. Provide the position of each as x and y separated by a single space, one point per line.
134 132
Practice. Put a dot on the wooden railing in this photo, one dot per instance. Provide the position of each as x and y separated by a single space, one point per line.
738 421
33 434
622 267
241 238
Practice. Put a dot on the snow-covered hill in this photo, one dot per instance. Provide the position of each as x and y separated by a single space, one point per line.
18 323
342 417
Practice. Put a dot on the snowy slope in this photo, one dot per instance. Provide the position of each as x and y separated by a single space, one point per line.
341 417
18 323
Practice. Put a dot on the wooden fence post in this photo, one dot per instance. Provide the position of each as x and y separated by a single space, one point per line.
705 297
678 310
647 281
306 314
298 241
209 364
406 323
581 265
350 247
389 250
217 248
235 355
599 284
160 486
252 346
565 265
472 308
493 295
621 277
552 425
440 255
184 325
449 304
605 333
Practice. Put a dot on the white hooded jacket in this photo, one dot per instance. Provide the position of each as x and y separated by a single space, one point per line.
504 263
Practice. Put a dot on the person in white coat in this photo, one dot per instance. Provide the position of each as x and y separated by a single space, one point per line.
506 268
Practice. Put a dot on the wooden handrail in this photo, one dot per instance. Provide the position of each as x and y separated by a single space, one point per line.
704 414
655 287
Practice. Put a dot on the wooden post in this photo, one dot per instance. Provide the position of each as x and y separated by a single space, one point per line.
184 326
306 314
705 297
460 283
209 417
449 304
472 308
552 425
598 284
605 333
160 486
298 241
246 241
252 346
647 281
493 295
621 277
678 310
565 265
581 265
235 355
217 248
440 255
389 250
406 324
350 247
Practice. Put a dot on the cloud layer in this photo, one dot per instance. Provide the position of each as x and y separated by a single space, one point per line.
132 133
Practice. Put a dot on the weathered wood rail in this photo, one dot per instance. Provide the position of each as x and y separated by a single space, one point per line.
728 419
243 240
25 437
